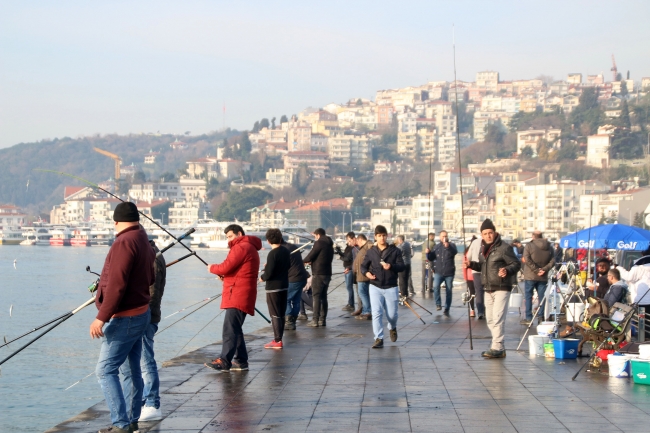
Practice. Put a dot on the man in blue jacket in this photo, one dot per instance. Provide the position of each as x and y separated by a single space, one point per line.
381 265
444 268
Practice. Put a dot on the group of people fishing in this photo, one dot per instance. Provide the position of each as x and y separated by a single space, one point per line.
133 277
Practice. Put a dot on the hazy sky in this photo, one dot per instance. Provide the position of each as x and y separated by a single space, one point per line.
71 68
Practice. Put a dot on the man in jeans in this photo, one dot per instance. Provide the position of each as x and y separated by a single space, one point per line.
363 282
298 276
122 299
405 275
347 257
442 257
239 292
427 269
320 258
539 259
151 392
381 266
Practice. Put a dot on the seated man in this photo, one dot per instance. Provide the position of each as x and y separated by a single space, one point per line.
617 290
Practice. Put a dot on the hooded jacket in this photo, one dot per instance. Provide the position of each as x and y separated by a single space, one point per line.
538 254
492 258
297 271
321 256
157 289
385 279
617 293
239 272
356 266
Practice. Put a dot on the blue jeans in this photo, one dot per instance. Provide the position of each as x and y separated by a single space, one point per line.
294 295
151 390
383 299
449 286
364 295
529 287
122 342
349 284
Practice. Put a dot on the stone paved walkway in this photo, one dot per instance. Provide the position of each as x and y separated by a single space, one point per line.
329 379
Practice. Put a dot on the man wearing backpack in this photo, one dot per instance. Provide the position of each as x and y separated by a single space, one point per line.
539 259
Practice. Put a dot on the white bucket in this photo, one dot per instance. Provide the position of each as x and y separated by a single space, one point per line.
574 311
644 351
515 300
619 365
546 328
536 344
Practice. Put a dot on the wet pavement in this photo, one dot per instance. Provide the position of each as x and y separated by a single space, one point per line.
329 379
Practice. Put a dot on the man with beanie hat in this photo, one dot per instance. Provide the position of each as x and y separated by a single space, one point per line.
498 266
122 299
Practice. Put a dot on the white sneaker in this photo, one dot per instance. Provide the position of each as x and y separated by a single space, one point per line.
150 413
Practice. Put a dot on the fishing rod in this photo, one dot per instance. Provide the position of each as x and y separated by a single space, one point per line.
460 176
63 319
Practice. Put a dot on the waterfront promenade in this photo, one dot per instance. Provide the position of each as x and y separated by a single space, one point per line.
329 379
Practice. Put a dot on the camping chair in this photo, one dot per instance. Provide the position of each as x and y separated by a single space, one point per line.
606 331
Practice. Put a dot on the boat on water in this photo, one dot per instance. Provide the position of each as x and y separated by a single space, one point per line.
80 237
36 236
61 237
101 237
11 236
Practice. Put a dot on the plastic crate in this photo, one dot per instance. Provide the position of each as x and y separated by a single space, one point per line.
641 371
566 348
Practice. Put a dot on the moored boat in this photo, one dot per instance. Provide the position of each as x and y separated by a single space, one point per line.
11 236
80 237
60 237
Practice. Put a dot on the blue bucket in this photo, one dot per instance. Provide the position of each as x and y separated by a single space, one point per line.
566 348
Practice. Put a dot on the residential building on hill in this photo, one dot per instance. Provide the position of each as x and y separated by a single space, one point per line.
327 214
317 162
279 178
11 216
598 150
350 148
511 201
273 214
531 137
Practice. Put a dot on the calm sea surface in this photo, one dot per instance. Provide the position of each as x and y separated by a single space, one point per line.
50 281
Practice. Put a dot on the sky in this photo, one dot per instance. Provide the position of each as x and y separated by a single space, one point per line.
78 68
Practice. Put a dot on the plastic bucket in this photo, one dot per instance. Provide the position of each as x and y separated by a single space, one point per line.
619 365
566 348
574 311
546 328
549 350
515 300
644 351
536 344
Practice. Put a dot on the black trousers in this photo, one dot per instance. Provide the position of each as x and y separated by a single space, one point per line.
472 291
277 303
403 279
319 286
233 345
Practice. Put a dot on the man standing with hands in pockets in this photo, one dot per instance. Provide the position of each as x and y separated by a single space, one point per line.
444 268
381 265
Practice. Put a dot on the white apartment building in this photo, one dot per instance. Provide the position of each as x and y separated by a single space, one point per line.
279 178
349 148
426 214
488 80
552 208
186 212
317 162
598 150
531 137
184 189
446 151
299 137
443 113
383 216
319 143
574 79
482 119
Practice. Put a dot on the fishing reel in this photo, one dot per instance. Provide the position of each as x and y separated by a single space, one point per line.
466 297
93 287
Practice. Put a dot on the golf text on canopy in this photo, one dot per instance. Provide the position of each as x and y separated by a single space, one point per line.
622 245
583 244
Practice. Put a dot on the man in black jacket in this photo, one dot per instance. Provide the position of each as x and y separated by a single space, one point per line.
276 275
498 265
444 268
298 276
347 257
381 265
320 258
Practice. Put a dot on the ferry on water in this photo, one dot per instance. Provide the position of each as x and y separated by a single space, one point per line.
11 236
61 237
81 237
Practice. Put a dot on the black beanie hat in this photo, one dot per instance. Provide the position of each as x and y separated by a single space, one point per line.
487 224
126 212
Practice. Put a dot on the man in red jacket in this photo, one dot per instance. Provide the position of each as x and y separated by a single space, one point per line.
239 275
122 299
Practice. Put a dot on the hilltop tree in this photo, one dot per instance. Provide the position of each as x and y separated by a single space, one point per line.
625 115
245 143
273 123
256 127
264 123
495 134
283 119
586 116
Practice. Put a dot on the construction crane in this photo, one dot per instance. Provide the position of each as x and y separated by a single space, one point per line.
114 157
614 69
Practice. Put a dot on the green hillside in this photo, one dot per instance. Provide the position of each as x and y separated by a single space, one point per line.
76 156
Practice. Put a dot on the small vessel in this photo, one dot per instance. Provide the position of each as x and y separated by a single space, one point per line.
60 237
101 237
43 236
11 236
29 238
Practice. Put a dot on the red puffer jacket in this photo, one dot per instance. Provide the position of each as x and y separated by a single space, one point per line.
239 272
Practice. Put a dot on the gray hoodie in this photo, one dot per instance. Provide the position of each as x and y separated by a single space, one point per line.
538 254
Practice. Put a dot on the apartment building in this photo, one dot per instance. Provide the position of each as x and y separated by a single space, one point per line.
531 137
487 80
317 162
552 208
279 178
299 137
350 148
184 189
598 150
427 213
510 202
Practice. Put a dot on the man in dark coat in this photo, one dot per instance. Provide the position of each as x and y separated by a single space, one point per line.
122 301
320 258
538 262
444 268
498 265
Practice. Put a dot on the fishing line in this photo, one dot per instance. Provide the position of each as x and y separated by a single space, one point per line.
195 335
189 306
188 314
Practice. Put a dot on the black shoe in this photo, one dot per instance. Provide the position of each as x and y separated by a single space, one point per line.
393 335
379 343
134 428
302 316
115 429
438 307
313 324
493 354
480 317
290 323
218 364
239 366
348 308
322 323
446 312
